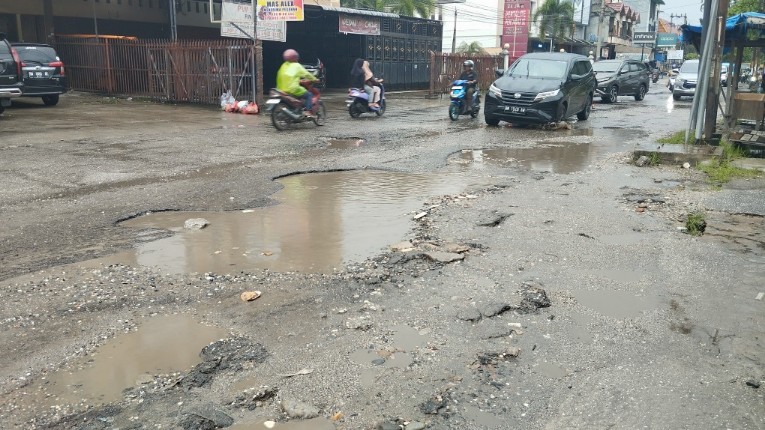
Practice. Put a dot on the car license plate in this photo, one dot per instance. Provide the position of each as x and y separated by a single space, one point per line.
39 75
515 109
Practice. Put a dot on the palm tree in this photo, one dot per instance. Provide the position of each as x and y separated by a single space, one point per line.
423 8
472 48
556 18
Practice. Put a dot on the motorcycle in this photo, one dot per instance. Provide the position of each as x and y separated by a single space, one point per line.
319 71
671 81
358 102
286 109
458 105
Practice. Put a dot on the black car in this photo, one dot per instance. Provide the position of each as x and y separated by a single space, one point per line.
10 74
541 88
621 77
42 71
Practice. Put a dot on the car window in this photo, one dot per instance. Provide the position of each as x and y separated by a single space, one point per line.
37 54
538 68
690 67
634 67
5 51
606 66
579 68
625 68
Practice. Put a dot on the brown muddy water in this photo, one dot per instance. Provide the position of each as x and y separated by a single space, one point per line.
160 345
321 222
556 159
312 424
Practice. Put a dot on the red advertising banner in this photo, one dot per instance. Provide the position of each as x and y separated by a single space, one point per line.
359 25
515 26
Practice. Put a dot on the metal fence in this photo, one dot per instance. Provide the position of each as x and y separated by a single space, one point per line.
196 71
445 68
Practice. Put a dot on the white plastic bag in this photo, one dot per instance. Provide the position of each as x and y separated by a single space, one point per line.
226 99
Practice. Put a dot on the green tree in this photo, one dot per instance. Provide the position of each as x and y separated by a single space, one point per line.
423 8
556 18
741 6
472 48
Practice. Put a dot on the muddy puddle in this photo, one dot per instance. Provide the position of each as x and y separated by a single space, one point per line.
312 424
321 222
557 159
616 304
160 345
344 143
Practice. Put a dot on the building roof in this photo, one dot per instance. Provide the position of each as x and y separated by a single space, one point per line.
625 10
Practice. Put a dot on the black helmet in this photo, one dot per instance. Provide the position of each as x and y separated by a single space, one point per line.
468 63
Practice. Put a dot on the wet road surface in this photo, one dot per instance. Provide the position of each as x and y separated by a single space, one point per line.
638 321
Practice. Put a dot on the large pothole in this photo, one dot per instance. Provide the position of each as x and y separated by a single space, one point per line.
322 222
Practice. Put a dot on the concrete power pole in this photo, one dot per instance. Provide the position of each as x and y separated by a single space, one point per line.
454 34
717 25
600 22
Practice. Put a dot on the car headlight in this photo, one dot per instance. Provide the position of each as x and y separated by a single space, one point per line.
496 92
546 94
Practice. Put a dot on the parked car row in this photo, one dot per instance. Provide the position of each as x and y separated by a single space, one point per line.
30 70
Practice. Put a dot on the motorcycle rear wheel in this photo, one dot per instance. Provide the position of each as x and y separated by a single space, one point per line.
279 119
354 110
381 110
321 114
454 112
474 111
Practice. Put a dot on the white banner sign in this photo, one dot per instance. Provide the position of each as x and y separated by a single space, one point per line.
235 15
675 54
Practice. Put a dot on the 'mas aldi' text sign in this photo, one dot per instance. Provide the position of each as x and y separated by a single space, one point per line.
280 10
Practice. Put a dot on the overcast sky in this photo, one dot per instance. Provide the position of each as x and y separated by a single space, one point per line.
679 7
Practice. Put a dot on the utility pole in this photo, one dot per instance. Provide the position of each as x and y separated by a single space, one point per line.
454 34
173 20
713 92
600 22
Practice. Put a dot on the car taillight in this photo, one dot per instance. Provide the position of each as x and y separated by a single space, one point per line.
19 64
60 65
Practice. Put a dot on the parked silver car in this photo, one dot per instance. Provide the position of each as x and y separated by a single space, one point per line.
686 80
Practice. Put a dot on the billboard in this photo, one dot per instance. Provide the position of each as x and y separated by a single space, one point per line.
359 25
236 21
515 26
280 10
666 40
582 12
643 38
675 54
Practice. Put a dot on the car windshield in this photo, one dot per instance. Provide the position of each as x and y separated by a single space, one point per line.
37 54
538 68
606 66
690 67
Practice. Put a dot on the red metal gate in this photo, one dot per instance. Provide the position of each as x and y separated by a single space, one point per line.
445 68
196 71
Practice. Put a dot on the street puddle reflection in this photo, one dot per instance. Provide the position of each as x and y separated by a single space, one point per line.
345 143
557 159
161 345
616 304
483 419
312 424
382 358
322 221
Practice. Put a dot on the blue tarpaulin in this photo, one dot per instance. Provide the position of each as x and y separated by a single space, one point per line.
737 28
